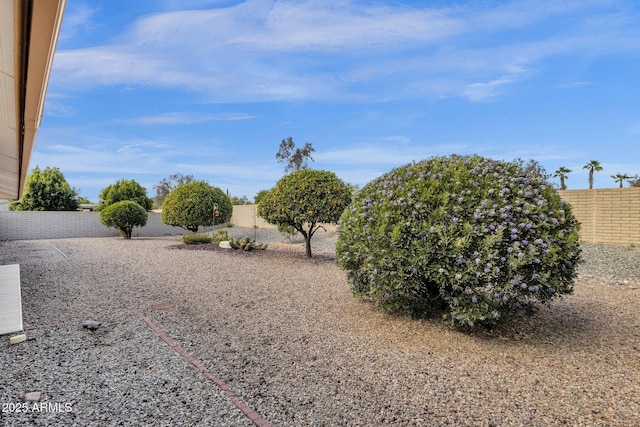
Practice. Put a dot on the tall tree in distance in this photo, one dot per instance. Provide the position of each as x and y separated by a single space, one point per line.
47 190
620 177
124 190
562 173
165 186
593 166
296 158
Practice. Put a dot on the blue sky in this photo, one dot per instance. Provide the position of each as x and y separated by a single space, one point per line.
145 89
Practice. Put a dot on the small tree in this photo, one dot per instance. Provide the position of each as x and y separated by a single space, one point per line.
593 166
634 181
124 216
47 190
562 173
305 199
165 186
296 158
195 204
84 201
620 177
124 190
235 200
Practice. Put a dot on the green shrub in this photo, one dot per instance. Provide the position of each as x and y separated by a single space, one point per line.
192 205
124 216
475 239
219 236
195 238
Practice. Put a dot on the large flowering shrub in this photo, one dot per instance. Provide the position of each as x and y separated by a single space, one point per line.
473 238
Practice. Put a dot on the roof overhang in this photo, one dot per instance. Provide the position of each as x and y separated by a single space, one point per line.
29 32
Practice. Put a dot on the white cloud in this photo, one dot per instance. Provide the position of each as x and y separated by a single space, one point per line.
58 109
340 49
77 19
185 118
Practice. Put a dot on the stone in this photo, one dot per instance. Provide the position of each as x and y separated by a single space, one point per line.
225 244
91 324
32 396
17 339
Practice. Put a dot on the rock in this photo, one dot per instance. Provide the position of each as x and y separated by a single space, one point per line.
224 244
17 339
91 324
32 396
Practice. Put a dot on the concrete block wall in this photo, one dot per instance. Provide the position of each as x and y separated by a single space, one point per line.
606 215
247 216
610 215
31 225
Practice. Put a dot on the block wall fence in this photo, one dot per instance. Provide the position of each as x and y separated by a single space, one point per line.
610 215
606 215
33 225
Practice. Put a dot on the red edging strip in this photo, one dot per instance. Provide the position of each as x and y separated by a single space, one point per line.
246 409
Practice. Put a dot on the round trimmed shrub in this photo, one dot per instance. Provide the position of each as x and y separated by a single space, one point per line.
124 216
472 238
191 206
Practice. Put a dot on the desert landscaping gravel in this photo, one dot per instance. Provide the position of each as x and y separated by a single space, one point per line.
287 337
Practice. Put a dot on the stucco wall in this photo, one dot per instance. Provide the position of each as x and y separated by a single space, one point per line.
246 216
610 215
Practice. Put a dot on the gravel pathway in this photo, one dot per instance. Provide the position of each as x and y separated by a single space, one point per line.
286 336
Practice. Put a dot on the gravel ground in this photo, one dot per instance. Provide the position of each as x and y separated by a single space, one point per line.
287 337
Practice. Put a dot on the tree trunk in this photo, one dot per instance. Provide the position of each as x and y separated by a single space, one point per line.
307 245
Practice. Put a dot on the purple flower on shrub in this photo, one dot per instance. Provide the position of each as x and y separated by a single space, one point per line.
474 299
495 314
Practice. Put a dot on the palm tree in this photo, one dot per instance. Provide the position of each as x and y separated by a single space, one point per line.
561 173
619 177
593 166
